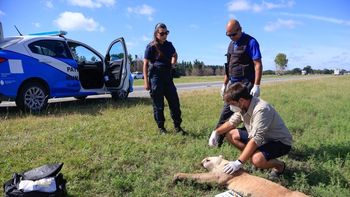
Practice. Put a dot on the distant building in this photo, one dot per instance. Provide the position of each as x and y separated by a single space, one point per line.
337 71
303 72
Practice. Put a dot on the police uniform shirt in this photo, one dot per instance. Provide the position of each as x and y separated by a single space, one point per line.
168 51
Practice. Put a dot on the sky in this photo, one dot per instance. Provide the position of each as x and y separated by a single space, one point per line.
309 32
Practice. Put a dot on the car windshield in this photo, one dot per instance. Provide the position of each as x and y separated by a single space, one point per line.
9 41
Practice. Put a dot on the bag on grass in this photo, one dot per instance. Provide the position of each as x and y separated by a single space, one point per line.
43 181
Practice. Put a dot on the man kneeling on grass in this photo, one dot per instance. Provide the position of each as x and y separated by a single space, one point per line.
264 136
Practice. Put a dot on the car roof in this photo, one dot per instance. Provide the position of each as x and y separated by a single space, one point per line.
32 38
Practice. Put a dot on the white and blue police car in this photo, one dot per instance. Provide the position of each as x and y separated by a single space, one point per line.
37 67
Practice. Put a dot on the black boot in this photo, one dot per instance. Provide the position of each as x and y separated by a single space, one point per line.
221 140
162 130
178 129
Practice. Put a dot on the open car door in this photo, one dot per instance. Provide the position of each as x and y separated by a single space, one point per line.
116 76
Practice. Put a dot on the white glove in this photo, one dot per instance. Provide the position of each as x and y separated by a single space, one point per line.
223 89
232 167
255 91
213 140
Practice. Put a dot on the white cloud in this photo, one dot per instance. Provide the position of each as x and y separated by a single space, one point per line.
92 3
2 13
320 18
144 10
36 24
77 21
49 4
245 5
280 23
146 39
232 16
101 29
283 4
238 5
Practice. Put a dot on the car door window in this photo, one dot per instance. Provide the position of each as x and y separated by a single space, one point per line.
117 52
115 62
53 48
83 55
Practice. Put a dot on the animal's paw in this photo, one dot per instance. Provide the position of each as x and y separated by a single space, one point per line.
177 177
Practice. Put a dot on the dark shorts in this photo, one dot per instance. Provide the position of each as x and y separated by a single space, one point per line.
270 150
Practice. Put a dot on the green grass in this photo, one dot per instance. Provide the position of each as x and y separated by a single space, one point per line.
112 148
187 79
195 79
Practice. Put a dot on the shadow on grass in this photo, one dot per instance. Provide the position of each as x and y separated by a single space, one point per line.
325 152
303 156
92 106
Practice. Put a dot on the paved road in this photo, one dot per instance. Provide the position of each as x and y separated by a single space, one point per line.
139 91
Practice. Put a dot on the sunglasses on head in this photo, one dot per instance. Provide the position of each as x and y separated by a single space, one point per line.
163 33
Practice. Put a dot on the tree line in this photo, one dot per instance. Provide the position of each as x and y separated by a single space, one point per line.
184 68
199 68
281 62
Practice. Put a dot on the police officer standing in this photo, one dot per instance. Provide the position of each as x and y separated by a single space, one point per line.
159 61
243 65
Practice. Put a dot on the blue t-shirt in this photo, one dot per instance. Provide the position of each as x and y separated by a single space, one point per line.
253 47
156 59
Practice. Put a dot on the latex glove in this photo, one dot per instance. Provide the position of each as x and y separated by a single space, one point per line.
223 89
232 167
213 140
255 91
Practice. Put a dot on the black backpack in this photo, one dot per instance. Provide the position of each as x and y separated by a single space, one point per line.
45 171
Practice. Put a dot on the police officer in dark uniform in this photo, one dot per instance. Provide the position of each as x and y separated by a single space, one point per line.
159 62
243 65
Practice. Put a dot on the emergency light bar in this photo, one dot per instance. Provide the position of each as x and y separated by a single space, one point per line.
50 33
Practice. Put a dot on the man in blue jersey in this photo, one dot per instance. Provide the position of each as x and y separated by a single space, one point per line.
243 65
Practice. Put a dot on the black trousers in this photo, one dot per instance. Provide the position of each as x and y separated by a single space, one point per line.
226 113
162 85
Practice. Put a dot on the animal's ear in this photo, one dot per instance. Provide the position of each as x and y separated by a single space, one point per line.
221 156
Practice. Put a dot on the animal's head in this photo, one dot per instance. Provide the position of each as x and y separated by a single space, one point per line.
210 163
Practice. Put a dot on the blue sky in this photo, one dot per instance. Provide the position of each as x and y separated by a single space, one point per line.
309 32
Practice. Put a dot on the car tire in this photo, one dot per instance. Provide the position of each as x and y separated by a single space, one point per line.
32 97
120 95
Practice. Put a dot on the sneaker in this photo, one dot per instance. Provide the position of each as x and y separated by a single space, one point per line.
275 175
180 130
221 140
162 130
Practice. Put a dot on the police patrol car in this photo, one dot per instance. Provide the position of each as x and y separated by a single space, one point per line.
36 67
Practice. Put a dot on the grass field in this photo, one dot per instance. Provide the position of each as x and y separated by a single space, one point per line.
195 79
187 79
112 148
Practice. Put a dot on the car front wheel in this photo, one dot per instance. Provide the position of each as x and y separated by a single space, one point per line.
32 97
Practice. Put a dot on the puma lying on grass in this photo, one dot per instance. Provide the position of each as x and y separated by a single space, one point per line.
240 181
